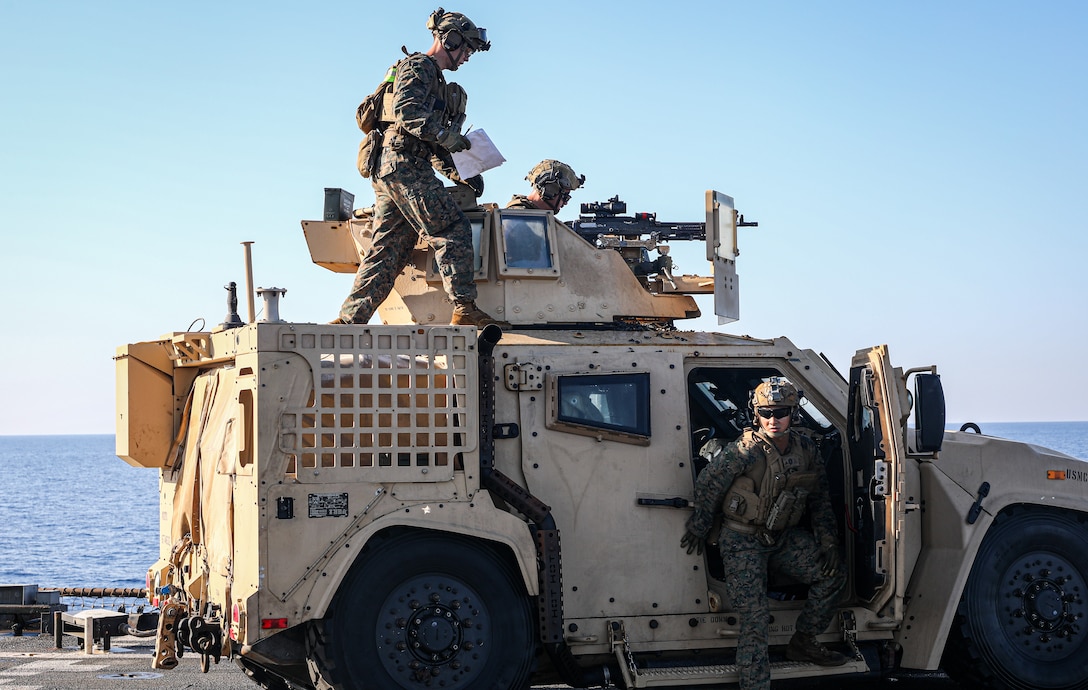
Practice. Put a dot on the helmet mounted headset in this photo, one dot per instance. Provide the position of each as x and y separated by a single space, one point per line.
554 181
454 31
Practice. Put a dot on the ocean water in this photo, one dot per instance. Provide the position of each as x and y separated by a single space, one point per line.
72 514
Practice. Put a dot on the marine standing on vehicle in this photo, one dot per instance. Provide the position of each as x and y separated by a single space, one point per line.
419 127
763 484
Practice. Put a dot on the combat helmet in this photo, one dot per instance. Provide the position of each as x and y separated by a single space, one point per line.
776 391
553 179
455 29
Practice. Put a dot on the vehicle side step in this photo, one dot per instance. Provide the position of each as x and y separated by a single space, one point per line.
711 674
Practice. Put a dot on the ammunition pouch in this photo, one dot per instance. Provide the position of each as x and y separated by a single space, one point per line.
456 100
787 510
766 516
789 507
366 115
741 503
454 105
370 153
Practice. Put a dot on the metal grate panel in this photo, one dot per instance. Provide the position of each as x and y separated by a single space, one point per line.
389 404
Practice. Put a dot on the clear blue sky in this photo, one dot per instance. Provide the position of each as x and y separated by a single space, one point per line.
917 169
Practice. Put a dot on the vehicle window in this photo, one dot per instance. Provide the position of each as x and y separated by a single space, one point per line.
617 402
525 241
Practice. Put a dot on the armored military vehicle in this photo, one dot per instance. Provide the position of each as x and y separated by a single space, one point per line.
414 504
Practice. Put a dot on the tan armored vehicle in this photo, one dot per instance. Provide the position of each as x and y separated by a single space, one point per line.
416 505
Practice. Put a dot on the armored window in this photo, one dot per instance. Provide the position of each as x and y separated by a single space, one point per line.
613 406
480 245
528 243
481 249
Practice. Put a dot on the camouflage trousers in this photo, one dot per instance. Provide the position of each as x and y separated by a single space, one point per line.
747 563
411 202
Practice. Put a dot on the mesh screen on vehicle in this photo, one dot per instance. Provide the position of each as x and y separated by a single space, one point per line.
395 403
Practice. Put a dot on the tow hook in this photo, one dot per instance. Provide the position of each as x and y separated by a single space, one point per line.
203 637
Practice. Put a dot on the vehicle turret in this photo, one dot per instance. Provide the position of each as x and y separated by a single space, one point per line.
533 270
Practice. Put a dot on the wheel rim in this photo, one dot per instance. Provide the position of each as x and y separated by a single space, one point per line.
1042 603
435 630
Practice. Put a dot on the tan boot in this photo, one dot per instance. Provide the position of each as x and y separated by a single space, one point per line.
804 647
468 314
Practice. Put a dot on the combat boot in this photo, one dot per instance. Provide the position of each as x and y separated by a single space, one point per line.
804 647
468 314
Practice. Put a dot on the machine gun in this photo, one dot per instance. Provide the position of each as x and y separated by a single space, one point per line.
602 225
600 219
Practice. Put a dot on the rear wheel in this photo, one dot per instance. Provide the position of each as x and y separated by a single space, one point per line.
1021 621
422 611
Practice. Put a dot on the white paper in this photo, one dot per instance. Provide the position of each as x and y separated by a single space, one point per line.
482 156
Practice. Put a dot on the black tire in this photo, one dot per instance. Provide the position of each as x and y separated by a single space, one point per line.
422 610
1021 622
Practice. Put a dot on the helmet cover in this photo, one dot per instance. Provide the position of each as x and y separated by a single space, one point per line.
776 391
442 23
552 178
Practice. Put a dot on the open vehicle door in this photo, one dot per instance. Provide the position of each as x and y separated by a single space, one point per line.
878 455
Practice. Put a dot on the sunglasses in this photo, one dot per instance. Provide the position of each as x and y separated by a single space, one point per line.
776 412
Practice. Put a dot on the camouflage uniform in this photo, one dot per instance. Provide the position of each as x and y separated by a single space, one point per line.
410 201
520 201
746 559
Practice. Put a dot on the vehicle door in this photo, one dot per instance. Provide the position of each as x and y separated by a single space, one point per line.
883 518
605 445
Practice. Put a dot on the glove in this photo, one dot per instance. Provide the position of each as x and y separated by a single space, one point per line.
477 184
829 560
451 140
692 542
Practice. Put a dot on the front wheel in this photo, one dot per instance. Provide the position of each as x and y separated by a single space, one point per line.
1021 622
421 610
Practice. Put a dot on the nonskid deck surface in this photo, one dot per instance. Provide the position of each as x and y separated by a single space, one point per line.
32 662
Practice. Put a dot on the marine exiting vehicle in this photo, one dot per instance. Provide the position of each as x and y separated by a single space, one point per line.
415 504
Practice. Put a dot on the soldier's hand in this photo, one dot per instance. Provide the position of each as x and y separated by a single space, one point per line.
829 560
692 542
477 184
452 140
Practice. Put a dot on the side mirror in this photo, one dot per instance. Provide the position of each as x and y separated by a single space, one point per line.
928 413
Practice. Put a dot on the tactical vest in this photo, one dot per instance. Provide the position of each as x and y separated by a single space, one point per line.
435 100
771 495
375 115
520 201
